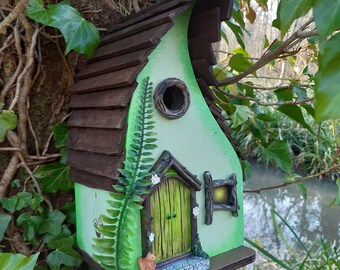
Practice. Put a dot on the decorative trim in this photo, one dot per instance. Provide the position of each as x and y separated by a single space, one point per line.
210 206
167 161
180 98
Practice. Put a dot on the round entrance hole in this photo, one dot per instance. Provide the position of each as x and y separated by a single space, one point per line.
172 98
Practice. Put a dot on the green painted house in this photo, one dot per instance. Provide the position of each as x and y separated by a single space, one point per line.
153 168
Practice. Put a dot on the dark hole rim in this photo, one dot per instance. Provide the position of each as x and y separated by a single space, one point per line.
172 98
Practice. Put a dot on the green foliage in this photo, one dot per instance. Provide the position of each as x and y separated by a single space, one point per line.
63 253
326 16
327 81
294 112
290 10
38 224
239 63
336 201
9 261
60 135
241 114
112 251
318 255
4 221
80 35
21 200
8 121
54 177
280 153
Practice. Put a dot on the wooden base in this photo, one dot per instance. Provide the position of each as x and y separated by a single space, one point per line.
233 259
230 260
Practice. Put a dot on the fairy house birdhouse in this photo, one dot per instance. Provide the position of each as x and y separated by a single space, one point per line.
153 169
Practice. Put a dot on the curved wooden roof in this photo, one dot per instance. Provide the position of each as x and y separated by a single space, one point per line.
104 89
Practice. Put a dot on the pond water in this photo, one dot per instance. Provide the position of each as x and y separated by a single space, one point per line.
311 219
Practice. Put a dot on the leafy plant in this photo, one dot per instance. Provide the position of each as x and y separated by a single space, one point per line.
112 251
318 255
39 225
56 176
9 261
80 35
8 121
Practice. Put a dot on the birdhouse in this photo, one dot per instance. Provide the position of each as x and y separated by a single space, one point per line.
157 182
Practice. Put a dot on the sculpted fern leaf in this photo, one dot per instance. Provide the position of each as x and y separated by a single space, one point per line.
113 250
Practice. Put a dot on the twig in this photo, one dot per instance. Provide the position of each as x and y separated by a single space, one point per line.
23 88
8 42
268 56
20 7
259 102
10 149
277 87
52 156
231 53
36 142
8 175
20 62
258 191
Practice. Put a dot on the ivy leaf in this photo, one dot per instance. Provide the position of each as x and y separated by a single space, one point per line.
70 212
8 121
241 115
54 221
326 16
327 81
290 10
239 63
10 261
9 203
278 151
32 225
63 256
294 112
60 135
336 201
80 35
4 221
54 177
24 199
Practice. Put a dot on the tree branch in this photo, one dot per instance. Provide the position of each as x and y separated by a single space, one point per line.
259 102
258 191
271 55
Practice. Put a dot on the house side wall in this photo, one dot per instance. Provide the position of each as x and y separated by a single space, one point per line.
195 140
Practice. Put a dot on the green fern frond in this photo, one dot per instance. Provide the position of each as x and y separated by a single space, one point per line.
113 249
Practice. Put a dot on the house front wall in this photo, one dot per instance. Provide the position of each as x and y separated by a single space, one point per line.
195 140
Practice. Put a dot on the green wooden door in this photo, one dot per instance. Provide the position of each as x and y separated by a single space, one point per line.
171 212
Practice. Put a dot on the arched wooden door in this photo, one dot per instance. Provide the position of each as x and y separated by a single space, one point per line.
170 209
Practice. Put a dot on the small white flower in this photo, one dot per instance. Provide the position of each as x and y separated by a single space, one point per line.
155 179
196 211
151 237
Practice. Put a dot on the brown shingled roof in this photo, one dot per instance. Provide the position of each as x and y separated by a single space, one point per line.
101 96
